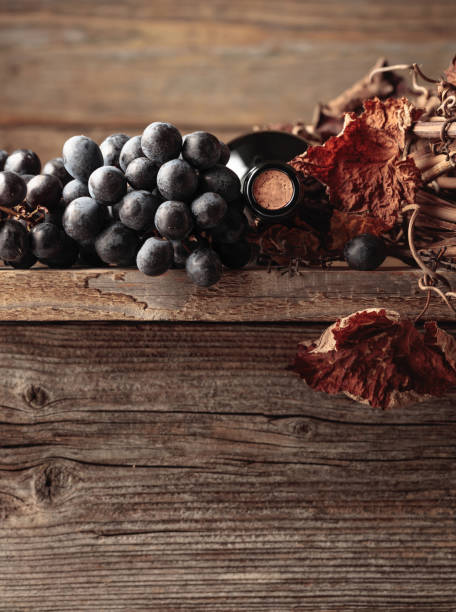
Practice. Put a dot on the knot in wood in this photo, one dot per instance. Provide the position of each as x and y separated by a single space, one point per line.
52 482
301 428
35 396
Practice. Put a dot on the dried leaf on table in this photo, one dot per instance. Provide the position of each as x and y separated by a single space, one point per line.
378 358
362 166
284 244
345 226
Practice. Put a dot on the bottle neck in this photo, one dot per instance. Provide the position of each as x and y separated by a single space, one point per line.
272 190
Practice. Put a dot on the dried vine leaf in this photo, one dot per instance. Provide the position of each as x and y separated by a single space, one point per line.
450 73
345 226
379 359
284 244
362 166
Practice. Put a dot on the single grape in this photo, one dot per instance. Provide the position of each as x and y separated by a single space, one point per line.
225 154
12 189
84 219
3 156
117 244
74 189
55 167
365 252
81 156
221 180
231 228
201 150
137 210
130 151
177 180
111 147
141 173
47 241
14 240
23 161
208 210
161 142
107 185
204 267
155 257
67 255
173 220
44 190
25 262
235 255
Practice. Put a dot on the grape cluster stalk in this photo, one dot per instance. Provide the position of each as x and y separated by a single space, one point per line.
155 201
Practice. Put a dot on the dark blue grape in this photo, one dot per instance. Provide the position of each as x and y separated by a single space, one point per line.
44 190
208 210
55 167
88 255
111 147
173 220
155 257
365 252
23 161
47 241
177 180
137 210
14 240
117 245
161 142
25 262
81 156
235 255
130 151
54 216
141 173
3 156
66 256
204 267
12 189
201 150
225 154
221 180
84 219
231 228
107 185
180 253
74 189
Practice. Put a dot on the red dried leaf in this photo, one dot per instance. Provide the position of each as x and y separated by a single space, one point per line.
450 73
284 244
345 226
377 358
362 166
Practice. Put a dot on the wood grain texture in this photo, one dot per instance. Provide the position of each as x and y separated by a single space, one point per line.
114 294
71 67
180 467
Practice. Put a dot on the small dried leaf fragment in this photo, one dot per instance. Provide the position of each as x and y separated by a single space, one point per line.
363 166
450 73
284 244
379 359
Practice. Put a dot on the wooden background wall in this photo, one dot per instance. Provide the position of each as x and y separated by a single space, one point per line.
97 66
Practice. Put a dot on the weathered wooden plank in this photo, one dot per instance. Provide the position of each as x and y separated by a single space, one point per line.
89 67
177 467
108 294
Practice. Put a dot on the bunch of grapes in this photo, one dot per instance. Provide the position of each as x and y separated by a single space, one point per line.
156 200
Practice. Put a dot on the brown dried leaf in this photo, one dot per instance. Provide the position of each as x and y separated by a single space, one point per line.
284 244
377 358
345 226
362 166
450 72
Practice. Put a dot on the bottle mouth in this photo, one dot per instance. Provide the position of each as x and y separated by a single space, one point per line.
271 189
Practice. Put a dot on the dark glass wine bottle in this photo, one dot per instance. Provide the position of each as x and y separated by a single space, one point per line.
270 186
